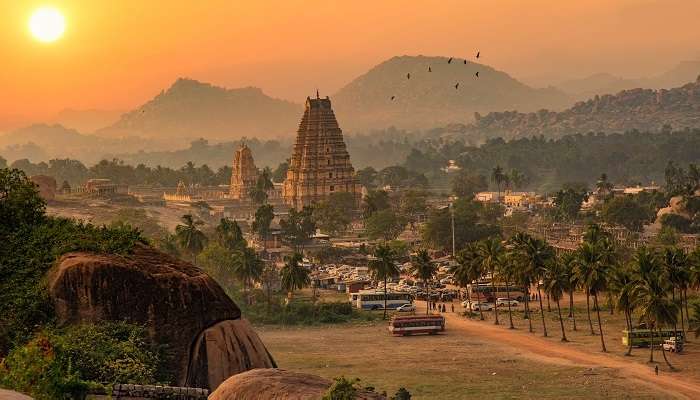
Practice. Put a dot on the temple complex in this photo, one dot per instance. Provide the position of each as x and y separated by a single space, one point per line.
320 163
245 174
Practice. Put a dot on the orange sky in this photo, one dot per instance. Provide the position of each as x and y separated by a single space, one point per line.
116 54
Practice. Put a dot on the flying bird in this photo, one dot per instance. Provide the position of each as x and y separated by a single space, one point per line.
477 74
477 54
430 70
465 62
392 97
449 61
457 85
408 75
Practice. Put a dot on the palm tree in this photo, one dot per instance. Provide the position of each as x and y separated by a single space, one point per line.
229 235
248 267
623 284
655 307
497 177
536 253
491 256
556 281
586 258
424 269
293 275
517 178
523 275
507 270
595 260
468 270
383 267
190 237
676 264
568 260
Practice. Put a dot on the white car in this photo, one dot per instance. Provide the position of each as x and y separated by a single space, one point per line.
481 306
406 308
503 302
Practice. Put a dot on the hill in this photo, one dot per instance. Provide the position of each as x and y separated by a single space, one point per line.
604 83
429 99
86 120
641 109
190 109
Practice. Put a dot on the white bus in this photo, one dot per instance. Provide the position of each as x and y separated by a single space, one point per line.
374 300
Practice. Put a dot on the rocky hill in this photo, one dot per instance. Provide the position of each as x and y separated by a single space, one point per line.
641 109
429 99
604 83
190 109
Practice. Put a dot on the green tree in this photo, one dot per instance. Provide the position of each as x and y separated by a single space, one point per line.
568 202
468 270
623 285
556 281
20 204
262 187
334 214
465 184
218 262
190 238
248 267
383 267
366 176
229 235
298 227
423 268
534 255
628 212
293 275
263 218
280 173
385 224
491 256
375 200
413 205
498 177
468 223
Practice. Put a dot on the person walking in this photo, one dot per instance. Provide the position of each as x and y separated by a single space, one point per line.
656 370
452 306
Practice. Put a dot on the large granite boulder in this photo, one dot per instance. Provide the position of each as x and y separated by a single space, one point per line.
278 384
182 307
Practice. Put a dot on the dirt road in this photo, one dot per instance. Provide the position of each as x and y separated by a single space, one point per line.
543 350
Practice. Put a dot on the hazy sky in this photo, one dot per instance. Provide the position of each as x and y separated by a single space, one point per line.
116 54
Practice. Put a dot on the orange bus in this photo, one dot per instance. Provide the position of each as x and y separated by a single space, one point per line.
413 324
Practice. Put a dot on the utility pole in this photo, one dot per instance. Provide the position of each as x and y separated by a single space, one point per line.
452 214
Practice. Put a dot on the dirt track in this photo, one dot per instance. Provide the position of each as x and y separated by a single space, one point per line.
543 350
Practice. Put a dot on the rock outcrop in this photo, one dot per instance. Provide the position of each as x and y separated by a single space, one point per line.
182 307
278 384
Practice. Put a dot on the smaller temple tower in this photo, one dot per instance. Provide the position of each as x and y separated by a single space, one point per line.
244 175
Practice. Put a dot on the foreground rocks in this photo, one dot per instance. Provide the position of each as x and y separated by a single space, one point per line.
181 306
278 384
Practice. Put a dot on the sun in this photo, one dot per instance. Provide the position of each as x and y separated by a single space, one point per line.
47 24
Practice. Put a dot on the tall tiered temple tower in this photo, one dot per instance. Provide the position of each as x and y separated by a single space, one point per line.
320 163
244 175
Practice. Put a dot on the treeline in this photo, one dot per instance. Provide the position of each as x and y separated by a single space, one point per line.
632 157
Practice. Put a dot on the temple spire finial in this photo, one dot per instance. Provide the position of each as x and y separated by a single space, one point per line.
317 96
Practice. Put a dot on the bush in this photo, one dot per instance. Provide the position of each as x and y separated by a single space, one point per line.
301 312
342 389
60 363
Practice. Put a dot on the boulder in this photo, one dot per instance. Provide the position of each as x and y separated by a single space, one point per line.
278 384
10 395
181 306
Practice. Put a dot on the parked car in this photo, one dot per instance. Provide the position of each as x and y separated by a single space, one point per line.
406 308
673 345
503 302
481 306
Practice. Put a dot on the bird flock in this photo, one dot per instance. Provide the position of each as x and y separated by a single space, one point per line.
449 61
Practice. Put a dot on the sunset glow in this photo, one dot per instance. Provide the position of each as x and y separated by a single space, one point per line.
47 24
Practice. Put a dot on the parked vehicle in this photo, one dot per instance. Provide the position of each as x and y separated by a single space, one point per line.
641 337
673 345
409 325
476 306
406 308
503 302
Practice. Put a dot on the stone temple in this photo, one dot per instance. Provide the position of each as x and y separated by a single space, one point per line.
245 174
320 163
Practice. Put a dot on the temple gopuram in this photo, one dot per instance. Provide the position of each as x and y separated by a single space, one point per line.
245 174
320 163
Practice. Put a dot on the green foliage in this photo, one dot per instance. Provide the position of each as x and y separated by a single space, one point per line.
67 362
263 218
334 214
385 224
466 184
293 275
298 227
190 238
375 200
469 225
568 202
280 173
628 211
218 262
677 222
342 389
20 204
138 218
400 177
402 394
304 312
366 176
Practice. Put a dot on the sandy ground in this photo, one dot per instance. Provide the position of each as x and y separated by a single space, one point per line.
548 351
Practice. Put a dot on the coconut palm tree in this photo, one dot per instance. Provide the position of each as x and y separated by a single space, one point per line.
491 256
586 259
623 285
468 270
556 281
229 235
190 237
676 264
498 177
568 261
655 307
508 272
248 267
383 267
534 256
424 268
294 276
521 273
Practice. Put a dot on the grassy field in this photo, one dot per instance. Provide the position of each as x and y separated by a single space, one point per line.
448 366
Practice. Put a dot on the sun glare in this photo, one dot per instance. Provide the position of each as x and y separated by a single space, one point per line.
47 24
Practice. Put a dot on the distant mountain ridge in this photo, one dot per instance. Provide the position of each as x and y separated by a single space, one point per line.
190 109
430 99
604 83
641 109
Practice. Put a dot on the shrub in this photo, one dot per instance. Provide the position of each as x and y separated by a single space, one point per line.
342 389
56 363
